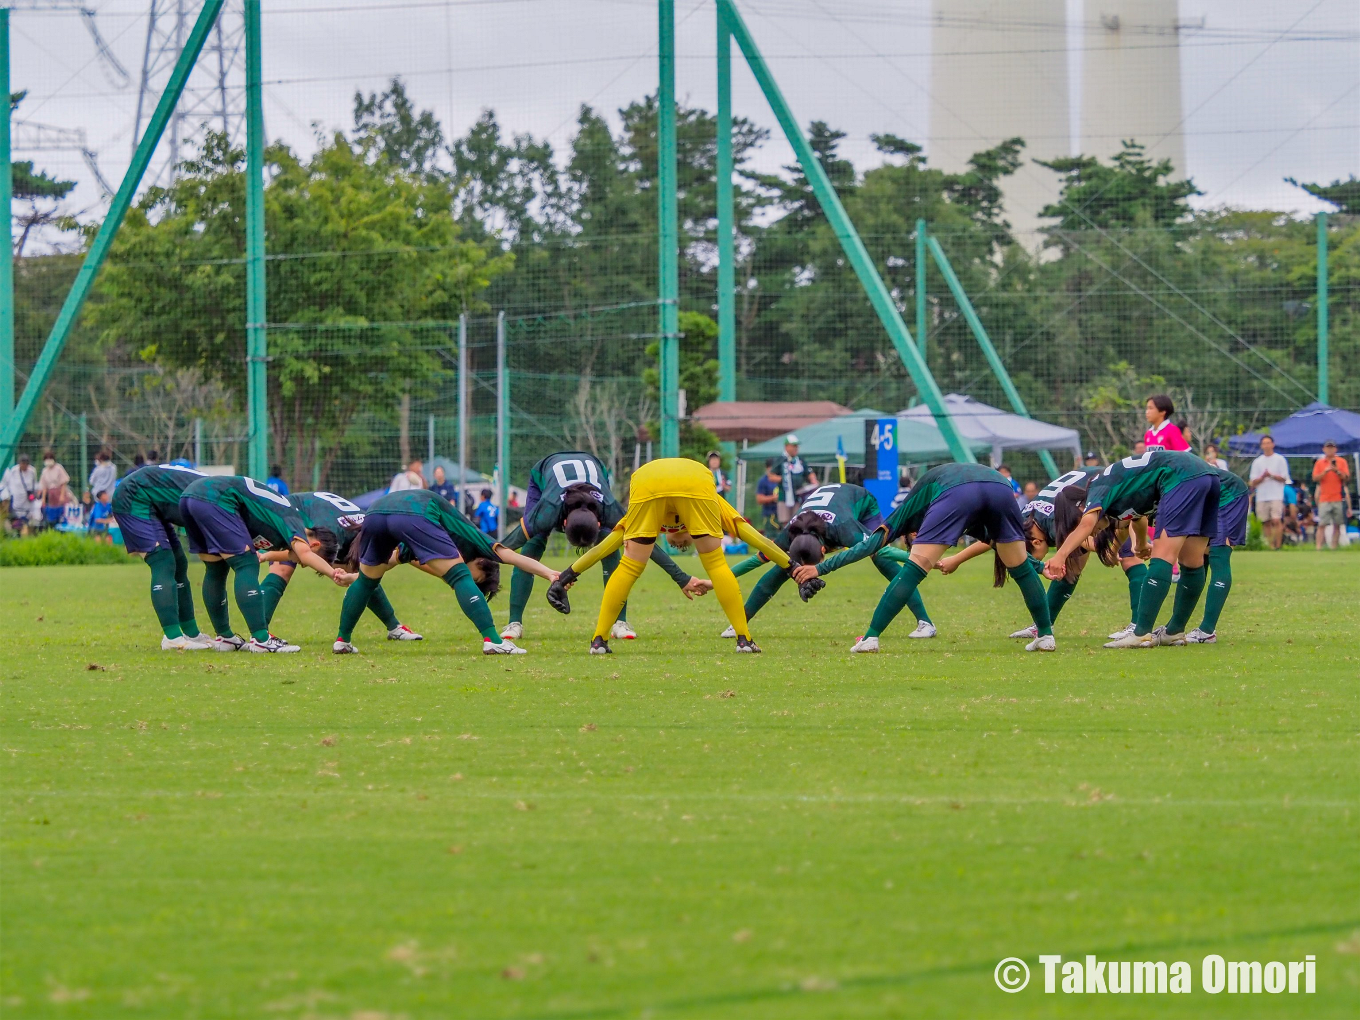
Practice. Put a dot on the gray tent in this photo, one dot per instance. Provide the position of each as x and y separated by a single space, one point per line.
1001 430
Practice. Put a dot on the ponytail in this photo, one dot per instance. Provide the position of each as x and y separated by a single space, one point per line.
1107 542
999 572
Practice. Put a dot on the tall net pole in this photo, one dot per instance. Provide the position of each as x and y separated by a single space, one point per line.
7 256
668 230
1322 354
502 425
462 409
257 343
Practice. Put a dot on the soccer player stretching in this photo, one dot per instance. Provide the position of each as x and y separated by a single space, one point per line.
945 503
674 496
1233 501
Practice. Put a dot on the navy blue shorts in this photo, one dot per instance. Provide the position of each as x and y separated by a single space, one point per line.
143 536
424 539
1126 550
985 509
213 530
1232 522
1190 509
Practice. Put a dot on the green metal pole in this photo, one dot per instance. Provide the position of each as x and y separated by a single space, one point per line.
13 429
1322 355
921 325
858 256
257 339
7 256
462 409
85 452
668 230
502 425
727 285
985 342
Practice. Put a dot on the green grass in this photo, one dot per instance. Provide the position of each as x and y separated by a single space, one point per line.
674 831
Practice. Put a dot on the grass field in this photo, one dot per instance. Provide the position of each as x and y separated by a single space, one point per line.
674 831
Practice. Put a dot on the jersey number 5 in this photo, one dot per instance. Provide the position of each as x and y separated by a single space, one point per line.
820 497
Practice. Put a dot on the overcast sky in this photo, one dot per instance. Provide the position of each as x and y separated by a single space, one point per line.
1270 88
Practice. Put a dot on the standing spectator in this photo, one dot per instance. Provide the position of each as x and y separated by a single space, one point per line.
1015 486
1092 458
19 487
720 480
1139 448
767 496
138 461
275 480
1031 492
100 515
798 480
1162 433
487 514
54 486
444 487
1211 455
1268 476
1331 473
104 474
412 478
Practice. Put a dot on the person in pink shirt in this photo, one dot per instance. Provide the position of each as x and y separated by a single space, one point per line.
1162 432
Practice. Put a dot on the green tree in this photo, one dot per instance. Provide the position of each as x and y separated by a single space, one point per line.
1345 195
1129 191
698 379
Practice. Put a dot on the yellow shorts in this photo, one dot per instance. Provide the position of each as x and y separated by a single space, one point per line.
648 518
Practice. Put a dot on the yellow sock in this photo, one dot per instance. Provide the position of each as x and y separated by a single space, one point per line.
726 588
616 593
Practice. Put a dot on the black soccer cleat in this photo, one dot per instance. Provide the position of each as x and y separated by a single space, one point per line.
599 646
747 645
810 588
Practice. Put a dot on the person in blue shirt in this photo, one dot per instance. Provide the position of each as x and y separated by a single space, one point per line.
487 514
767 495
275 480
100 514
444 487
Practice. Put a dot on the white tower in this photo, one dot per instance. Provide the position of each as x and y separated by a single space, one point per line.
999 69
1131 79
214 96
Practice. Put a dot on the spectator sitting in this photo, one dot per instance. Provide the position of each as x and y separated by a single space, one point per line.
100 515
1139 448
19 488
1092 459
104 474
444 487
54 489
767 496
1031 492
487 514
1331 473
1211 455
1292 530
412 478
275 480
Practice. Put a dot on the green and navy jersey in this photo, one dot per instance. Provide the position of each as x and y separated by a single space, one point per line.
472 543
152 492
1133 487
909 514
1230 487
850 512
1040 508
334 513
552 475
272 521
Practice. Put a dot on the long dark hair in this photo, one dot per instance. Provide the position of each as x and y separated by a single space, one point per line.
1107 542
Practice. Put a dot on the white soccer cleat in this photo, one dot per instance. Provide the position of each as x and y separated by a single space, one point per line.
229 644
1166 640
343 648
1029 633
506 647
1199 637
924 629
513 631
274 644
180 644
1045 643
201 643
622 631
1123 632
1132 640
865 644
401 632
730 632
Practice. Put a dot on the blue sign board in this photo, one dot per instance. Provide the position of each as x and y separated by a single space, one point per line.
880 460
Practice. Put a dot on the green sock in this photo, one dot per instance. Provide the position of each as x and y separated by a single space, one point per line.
1220 583
1156 586
357 598
1187 597
184 594
770 582
382 608
1135 575
889 567
917 605
164 594
245 570
1059 592
607 566
522 582
470 601
897 595
746 566
215 573
271 588
1036 601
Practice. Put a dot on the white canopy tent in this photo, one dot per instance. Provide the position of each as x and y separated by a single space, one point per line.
1000 429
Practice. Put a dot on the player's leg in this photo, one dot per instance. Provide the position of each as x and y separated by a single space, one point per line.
889 568
273 586
455 573
184 593
1199 525
621 629
896 596
1016 559
1232 532
357 597
726 588
164 594
522 586
636 553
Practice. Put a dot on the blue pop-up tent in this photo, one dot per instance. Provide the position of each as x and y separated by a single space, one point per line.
1303 433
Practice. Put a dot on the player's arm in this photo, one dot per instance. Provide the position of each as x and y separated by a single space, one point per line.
747 565
592 556
524 563
757 541
672 569
302 552
1057 566
275 556
1138 528
517 535
867 546
949 564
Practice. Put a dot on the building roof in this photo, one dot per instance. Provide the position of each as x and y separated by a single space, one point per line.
758 420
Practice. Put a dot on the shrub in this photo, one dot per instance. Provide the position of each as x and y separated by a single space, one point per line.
55 548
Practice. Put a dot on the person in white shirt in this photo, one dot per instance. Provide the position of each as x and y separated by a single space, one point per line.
412 478
1268 476
1211 455
19 486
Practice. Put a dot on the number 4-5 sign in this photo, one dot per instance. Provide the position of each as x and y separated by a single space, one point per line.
880 458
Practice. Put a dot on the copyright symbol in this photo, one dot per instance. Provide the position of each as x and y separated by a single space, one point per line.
1011 974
